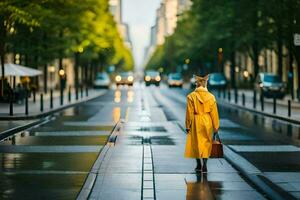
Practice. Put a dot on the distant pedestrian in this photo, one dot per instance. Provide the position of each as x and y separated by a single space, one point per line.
202 120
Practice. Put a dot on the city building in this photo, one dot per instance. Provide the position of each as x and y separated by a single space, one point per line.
183 5
115 7
165 23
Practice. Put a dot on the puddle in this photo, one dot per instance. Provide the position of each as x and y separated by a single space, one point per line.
146 129
162 140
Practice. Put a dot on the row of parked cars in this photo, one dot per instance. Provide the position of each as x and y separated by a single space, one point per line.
267 84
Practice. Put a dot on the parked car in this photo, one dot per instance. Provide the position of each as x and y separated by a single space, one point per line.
125 78
217 81
102 80
152 77
175 80
270 85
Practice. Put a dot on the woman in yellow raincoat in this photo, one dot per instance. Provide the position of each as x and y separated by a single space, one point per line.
202 120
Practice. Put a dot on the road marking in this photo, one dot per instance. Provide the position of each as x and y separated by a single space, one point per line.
148 186
71 133
265 148
49 149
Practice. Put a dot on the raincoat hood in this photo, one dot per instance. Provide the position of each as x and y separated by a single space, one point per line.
205 98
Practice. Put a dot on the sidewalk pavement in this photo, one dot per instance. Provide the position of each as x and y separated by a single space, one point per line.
145 160
294 103
34 108
281 105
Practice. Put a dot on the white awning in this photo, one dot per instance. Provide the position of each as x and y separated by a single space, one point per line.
18 70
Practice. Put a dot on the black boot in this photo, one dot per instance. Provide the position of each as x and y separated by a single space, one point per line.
199 166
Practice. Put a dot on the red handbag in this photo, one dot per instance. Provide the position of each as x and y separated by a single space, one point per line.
217 147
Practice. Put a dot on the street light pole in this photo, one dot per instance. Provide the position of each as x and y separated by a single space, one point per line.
220 59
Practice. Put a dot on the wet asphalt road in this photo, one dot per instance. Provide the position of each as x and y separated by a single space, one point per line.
51 161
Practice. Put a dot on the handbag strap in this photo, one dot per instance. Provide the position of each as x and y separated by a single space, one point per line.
217 137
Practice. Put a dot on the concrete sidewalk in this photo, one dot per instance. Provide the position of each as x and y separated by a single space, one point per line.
146 161
268 106
34 108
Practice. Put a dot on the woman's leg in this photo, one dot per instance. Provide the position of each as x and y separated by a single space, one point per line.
199 166
204 168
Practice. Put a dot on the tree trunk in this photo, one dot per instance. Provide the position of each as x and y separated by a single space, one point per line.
279 47
45 78
2 53
45 66
232 69
76 80
86 74
90 73
255 59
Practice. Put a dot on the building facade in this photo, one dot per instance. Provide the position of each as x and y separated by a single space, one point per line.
165 23
115 7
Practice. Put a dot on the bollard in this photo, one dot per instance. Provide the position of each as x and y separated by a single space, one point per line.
26 102
61 97
42 103
34 95
236 96
11 105
69 94
289 108
81 91
51 99
243 99
254 99
76 92
262 102
229 96
274 105
86 91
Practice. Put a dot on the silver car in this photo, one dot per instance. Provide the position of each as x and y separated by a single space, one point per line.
102 80
270 85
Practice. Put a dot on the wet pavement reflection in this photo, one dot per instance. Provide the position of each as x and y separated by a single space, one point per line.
200 189
147 160
52 161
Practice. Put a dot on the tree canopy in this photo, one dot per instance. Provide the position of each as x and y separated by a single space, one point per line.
46 30
246 26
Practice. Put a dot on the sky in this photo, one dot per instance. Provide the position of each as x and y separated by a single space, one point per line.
140 16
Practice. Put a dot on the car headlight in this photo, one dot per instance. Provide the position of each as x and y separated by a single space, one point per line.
261 85
118 78
130 78
157 78
147 78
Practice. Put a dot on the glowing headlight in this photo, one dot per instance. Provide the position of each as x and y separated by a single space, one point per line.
157 78
118 78
147 78
130 78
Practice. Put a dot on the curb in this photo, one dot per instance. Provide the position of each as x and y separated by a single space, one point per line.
290 120
91 178
41 118
49 112
17 129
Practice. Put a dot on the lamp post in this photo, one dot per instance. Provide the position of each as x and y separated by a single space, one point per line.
220 59
51 70
62 75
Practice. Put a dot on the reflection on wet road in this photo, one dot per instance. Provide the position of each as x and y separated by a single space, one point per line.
51 161
200 189
147 161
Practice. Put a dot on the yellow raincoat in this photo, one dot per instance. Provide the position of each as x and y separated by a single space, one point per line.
202 119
